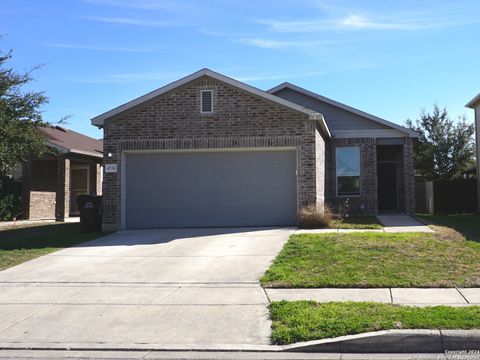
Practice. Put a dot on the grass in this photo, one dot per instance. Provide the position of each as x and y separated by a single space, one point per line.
21 244
356 222
307 320
466 224
375 260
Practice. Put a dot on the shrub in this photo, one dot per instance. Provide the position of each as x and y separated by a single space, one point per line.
10 199
310 217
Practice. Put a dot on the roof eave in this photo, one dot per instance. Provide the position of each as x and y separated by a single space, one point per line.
65 150
474 103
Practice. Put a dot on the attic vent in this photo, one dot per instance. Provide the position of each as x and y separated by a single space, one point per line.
206 101
60 128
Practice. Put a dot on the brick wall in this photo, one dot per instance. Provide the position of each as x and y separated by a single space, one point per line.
368 175
240 120
320 169
39 186
42 205
62 208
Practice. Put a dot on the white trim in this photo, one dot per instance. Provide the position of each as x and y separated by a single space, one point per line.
388 133
123 168
74 151
100 119
359 171
201 102
89 153
472 104
306 92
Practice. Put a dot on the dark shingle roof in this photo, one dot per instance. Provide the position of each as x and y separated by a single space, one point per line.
72 141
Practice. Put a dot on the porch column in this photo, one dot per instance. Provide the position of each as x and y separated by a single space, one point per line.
408 176
62 199
98 179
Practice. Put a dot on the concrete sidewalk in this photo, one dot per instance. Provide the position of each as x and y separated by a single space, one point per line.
398 296
395 223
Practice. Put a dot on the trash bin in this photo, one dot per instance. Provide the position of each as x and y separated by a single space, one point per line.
90 207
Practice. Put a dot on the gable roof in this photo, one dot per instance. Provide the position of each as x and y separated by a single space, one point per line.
353 110
100 119
69 141
474 103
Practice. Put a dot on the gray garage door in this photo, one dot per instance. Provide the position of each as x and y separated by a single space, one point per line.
209 189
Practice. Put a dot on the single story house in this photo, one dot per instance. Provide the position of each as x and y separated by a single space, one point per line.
72 166
475 105
211 151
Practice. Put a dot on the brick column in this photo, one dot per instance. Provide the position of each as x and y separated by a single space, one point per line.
408 176
62 199
98 179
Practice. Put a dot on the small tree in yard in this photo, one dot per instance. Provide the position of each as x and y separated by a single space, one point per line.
20 117
445 147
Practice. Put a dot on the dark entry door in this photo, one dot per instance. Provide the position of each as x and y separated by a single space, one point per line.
387 186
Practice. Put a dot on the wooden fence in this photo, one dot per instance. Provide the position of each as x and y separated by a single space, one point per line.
447 196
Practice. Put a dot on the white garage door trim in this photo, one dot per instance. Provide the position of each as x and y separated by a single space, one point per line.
123 190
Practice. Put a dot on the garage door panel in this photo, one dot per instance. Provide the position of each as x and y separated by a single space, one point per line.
208 189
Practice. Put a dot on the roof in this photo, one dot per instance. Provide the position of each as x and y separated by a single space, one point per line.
374 118
69 141
474 103
100 119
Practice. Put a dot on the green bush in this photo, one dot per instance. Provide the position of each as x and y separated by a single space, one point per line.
10 199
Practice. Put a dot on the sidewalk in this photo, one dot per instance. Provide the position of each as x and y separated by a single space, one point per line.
398 296
395 223
8 225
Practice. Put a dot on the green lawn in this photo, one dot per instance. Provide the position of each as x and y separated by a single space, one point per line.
375 260
467 224
307 320
356 222
21 244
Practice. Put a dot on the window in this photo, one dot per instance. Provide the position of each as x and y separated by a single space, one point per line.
206 101
348 171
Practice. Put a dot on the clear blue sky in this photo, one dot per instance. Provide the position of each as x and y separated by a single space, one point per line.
389 58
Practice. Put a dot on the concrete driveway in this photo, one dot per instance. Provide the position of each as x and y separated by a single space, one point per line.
146 288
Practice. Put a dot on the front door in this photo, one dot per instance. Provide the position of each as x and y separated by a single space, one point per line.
387 186
79 185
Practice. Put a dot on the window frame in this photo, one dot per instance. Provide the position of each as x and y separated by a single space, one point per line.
359 172
211 101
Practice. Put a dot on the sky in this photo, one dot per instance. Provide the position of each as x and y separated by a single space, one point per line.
389 58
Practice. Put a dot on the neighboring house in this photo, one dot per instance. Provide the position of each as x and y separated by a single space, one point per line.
475 105
71 167
208 151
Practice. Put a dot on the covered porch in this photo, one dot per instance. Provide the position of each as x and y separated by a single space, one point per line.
395 178
51 185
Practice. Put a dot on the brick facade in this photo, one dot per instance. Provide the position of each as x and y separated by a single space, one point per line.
240 120
368 175
46 185
62 208
368 197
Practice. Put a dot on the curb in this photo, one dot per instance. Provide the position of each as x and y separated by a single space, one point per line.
388 341
395 341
